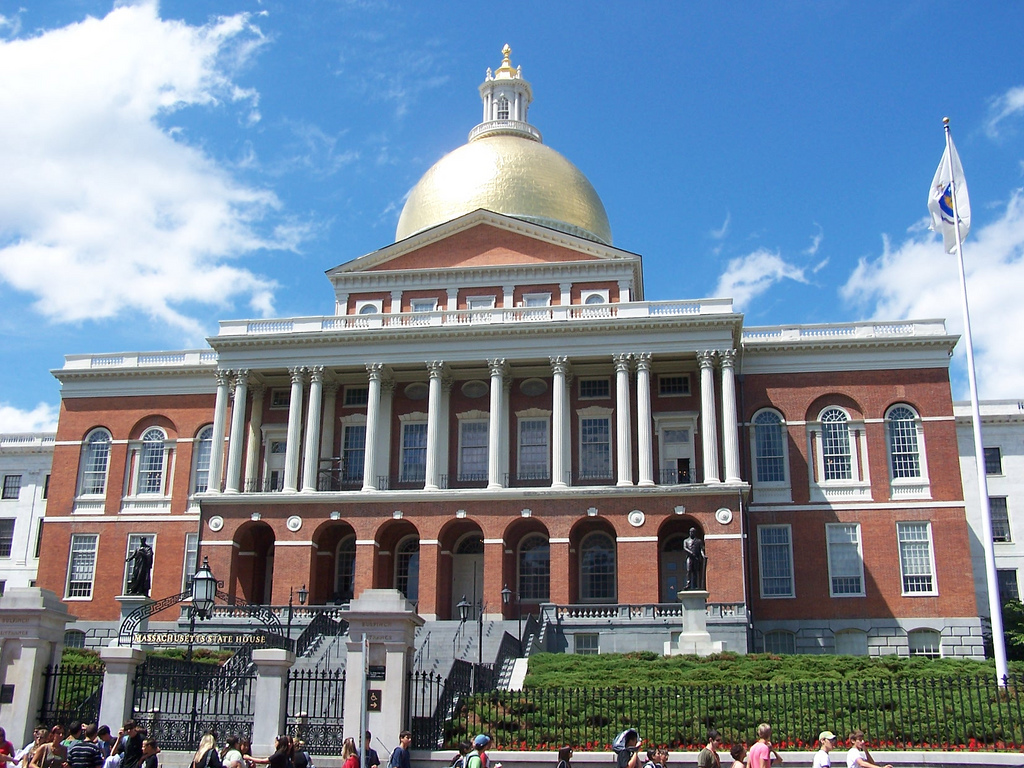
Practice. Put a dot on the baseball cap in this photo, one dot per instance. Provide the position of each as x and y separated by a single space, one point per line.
482 740
826 735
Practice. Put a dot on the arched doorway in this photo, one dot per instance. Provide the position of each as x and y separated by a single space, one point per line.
407 567
595 563
468 573
672 560
255 555
335 568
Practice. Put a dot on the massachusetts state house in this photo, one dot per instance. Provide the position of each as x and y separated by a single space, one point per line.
491 404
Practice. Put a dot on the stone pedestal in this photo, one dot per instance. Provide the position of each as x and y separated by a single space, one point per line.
269 713
32 623
694 637
388 623
131 603
119 683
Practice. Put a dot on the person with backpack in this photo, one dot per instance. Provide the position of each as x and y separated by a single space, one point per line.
400 758
564 757
626 747
207 755
477 758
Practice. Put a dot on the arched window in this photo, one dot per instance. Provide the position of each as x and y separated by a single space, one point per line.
95 460
503 108
904 448
203 452
835 440
151 462
534 569
925 642
597 568
769 448
852 642
779 641
407 567
345 569
74 638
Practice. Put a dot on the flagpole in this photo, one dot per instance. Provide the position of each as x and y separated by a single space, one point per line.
994 605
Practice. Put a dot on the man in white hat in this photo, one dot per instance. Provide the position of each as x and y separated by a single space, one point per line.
826 740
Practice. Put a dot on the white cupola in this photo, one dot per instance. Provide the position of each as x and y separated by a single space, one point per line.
506 100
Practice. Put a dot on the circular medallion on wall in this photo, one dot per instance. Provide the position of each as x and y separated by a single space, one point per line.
723 515
636 518
293 523
533 387
475 388
215 523
418 390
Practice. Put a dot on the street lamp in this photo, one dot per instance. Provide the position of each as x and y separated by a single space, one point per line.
463 607
506 597
204 591
303 594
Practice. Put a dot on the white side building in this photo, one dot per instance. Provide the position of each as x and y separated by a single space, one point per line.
1002 429
25 461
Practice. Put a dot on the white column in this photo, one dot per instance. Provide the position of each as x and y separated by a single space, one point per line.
623 432
387 397
311 458
508 296
506 398
624 294
447 382
291 453
327 430
730 428
341 304
453 299
237 431
396 302
645 448
435 371
494 437
565 294
559 365
255 440
375 370
220 417
708 422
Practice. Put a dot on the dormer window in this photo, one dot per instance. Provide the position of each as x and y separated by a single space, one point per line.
503 108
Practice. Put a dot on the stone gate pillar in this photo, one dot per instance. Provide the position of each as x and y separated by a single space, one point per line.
32 625
388 622
269 712
120 664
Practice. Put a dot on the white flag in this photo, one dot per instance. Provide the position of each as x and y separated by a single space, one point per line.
940 199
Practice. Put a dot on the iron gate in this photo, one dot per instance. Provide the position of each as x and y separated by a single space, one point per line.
315 709
71 692
177 701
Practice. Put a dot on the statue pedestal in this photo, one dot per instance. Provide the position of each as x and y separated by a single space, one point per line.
694 637
129 604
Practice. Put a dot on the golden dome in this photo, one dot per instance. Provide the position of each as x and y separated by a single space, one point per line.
508 174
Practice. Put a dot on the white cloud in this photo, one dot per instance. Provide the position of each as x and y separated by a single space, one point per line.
815 241
42 418
1009 104
104 210
749 276
915 279
721 232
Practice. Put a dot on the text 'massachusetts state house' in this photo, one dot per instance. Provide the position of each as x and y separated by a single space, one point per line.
493 402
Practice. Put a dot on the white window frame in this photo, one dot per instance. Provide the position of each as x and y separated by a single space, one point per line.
190 558
532 597
667 422
197 447
687 387
423 305
480 302
595 297
477 419
834 548
858 486
1004 503
775 634
352 389
918 487
135 453
526 417
760 560
280 398
606 379
276 434
369 306
770 491
81 537
347 423
85 457
916 649
595 413
16 487
900 527
407 420
7 538
535 300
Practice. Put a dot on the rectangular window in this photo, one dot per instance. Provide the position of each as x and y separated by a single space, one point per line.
279 398
473 450
134 542
480 302
1008 588
993 461
189 566
356 396
587 643
39 540
845 560
595 389
46 487
423 305
414 452
915 540
533 449
6 536
82 565
1000 518
776 554
353 453
537 300
595 448
673 386
12 486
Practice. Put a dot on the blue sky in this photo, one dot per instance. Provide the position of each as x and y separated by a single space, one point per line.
168 165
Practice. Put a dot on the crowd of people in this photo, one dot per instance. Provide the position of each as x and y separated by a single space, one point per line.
86 745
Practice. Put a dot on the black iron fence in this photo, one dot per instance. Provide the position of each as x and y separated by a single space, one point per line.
71 692
935 713
315 709
176 701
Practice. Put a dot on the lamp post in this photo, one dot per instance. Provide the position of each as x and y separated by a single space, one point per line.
303 594
506 597
204 591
